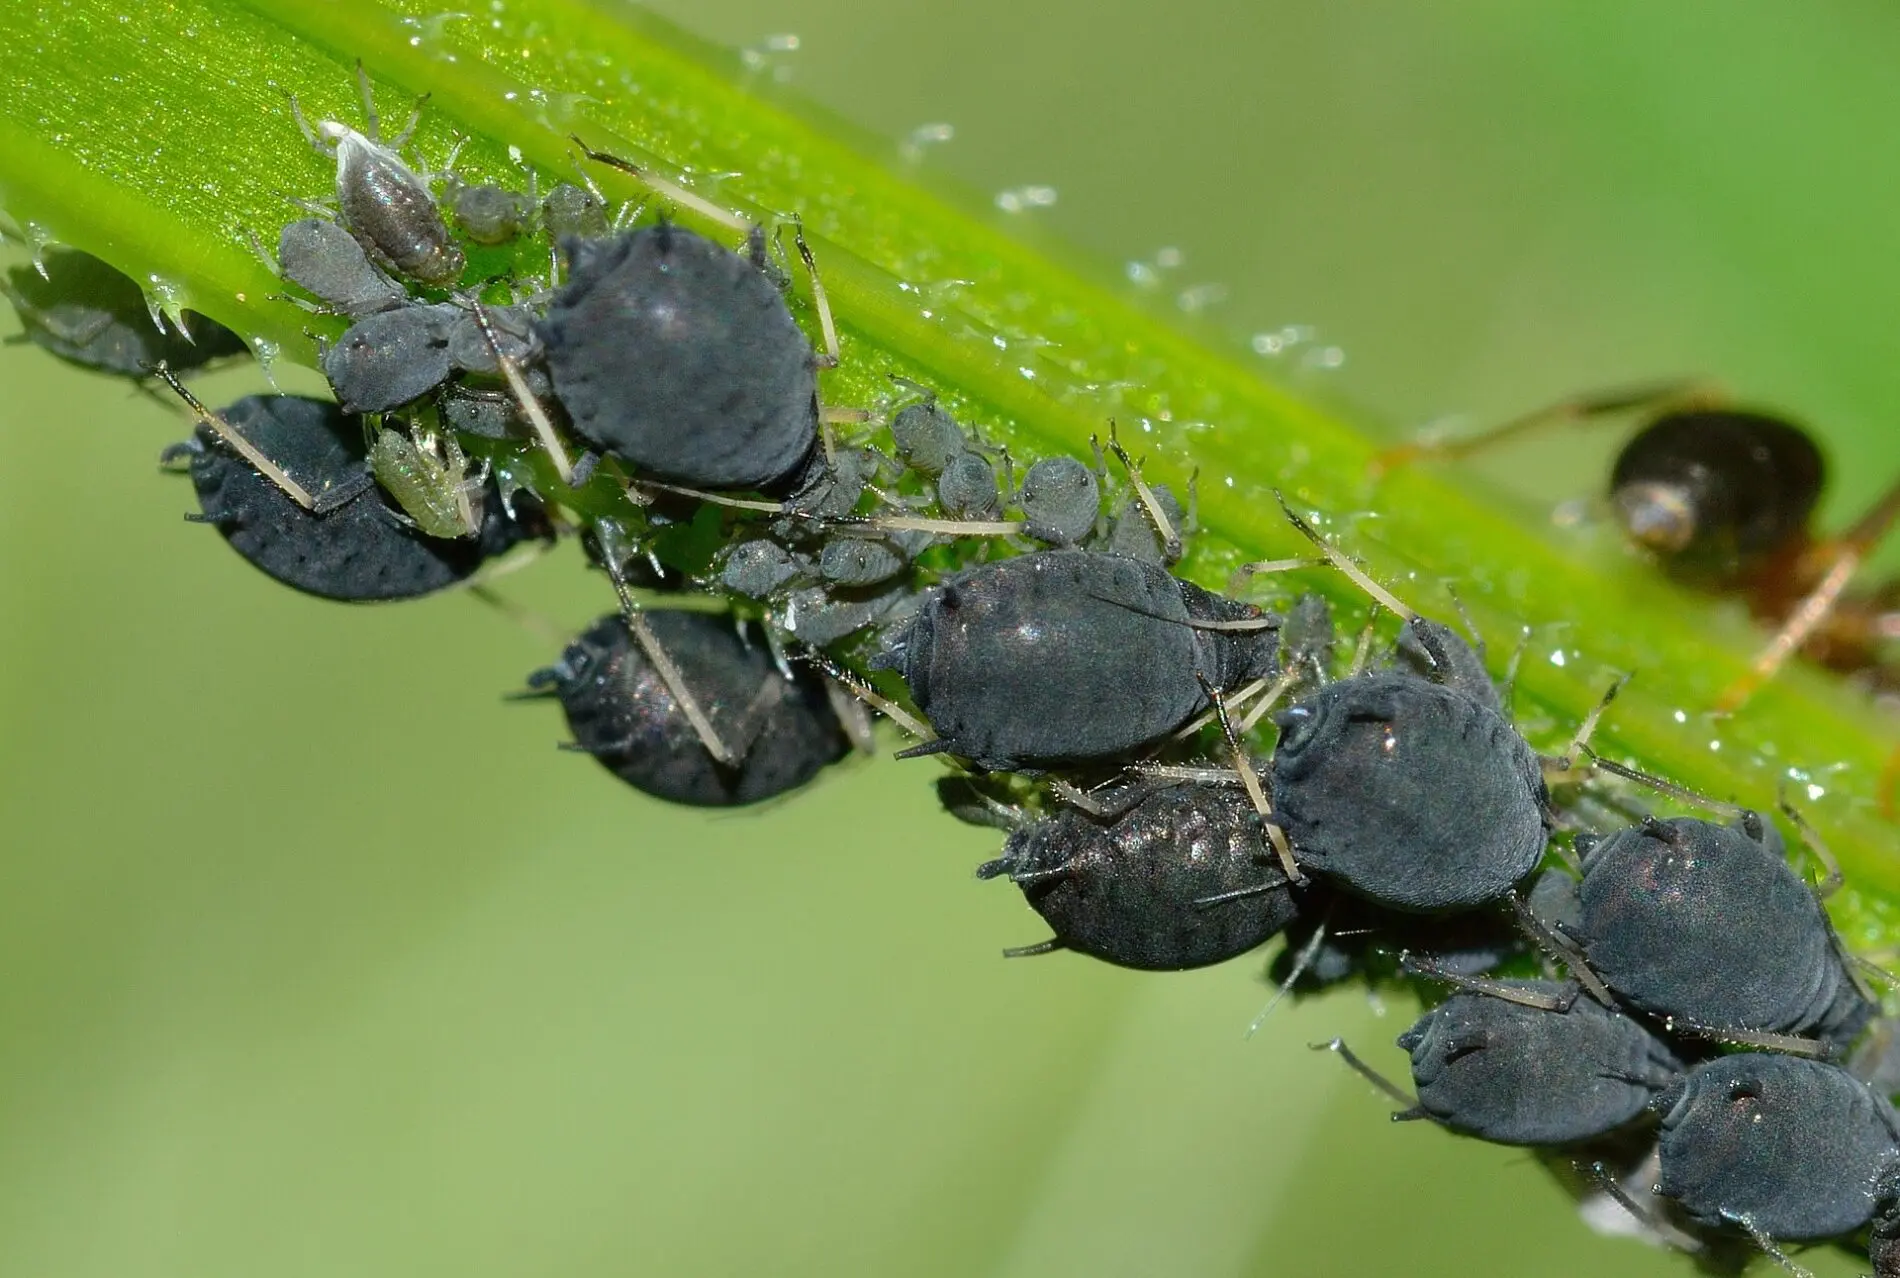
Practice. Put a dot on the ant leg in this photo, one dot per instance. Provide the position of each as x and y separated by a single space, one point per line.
1371 1075
244 447
1848 555
1572 411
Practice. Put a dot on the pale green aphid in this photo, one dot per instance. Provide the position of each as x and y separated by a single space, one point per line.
428 476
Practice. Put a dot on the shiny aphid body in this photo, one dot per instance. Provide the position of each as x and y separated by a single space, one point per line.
355 548
1786 1147
680 357
1408 786
621 711
1182 878
1516 1074
1063 657
1708 925
91 314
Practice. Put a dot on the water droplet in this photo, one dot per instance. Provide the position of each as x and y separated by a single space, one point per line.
1022 198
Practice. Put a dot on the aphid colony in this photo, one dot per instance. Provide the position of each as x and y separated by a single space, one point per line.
1045 651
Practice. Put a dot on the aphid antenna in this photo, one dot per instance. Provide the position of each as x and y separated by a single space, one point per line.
846 416
1186 772
1250 779
671 192
1507 686
1648 1219
1301 963
1362 650
1465 620
1340 560
250 452
1660 786
1850 553
1573 410
1238 580
1831 877
1412 964
527 618
1580 741
1746 1223
1766 1040
663 665
1560 948
524 397
914 523
1338 1047
1237 894
860 688
1163 526
820 303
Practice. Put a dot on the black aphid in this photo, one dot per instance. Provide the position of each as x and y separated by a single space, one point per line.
1520 1074
680 357
1782 1146
94 315
1883 1240
620 710
325 260
1180 879
1409 786
350 546
1709 925
1068 656
384 203
388 359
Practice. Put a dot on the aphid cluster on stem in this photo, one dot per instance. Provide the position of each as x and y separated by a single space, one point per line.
654 397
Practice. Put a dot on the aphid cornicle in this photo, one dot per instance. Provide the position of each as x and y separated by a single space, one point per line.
1063 656
680 357
91 314
384 203
352 547
1181 878
1782 1146
621 712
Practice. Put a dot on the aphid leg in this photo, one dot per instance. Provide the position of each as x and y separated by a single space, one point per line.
1238 579
671 192
1479 985
1083 801
1831 877
1746 1223
1250 779
1792 1044
1661 786
853 715
524 397
1362 650
1848 555
1507 686
1575 410
819 302
1649 1220
1241 696
1164 526
320 144
1560 947
1341 561
318 505
860 688
1338 1047
1259 709
1184 772
1237 894
669 672
1301 963
1049 946
1580 741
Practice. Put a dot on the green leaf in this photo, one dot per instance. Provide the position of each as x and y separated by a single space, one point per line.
156 135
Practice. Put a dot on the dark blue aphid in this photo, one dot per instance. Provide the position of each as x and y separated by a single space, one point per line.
392 357
1785 1147
1709 925
1408 786
622 712
1339 936
1064 657
1516 1074
93 315
680 358
1883 1240
1180 879
352 547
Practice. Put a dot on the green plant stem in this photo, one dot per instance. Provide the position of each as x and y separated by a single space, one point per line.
155 134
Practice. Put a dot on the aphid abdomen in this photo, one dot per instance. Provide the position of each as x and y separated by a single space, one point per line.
679 357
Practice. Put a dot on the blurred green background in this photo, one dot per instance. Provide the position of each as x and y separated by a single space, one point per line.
318 959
